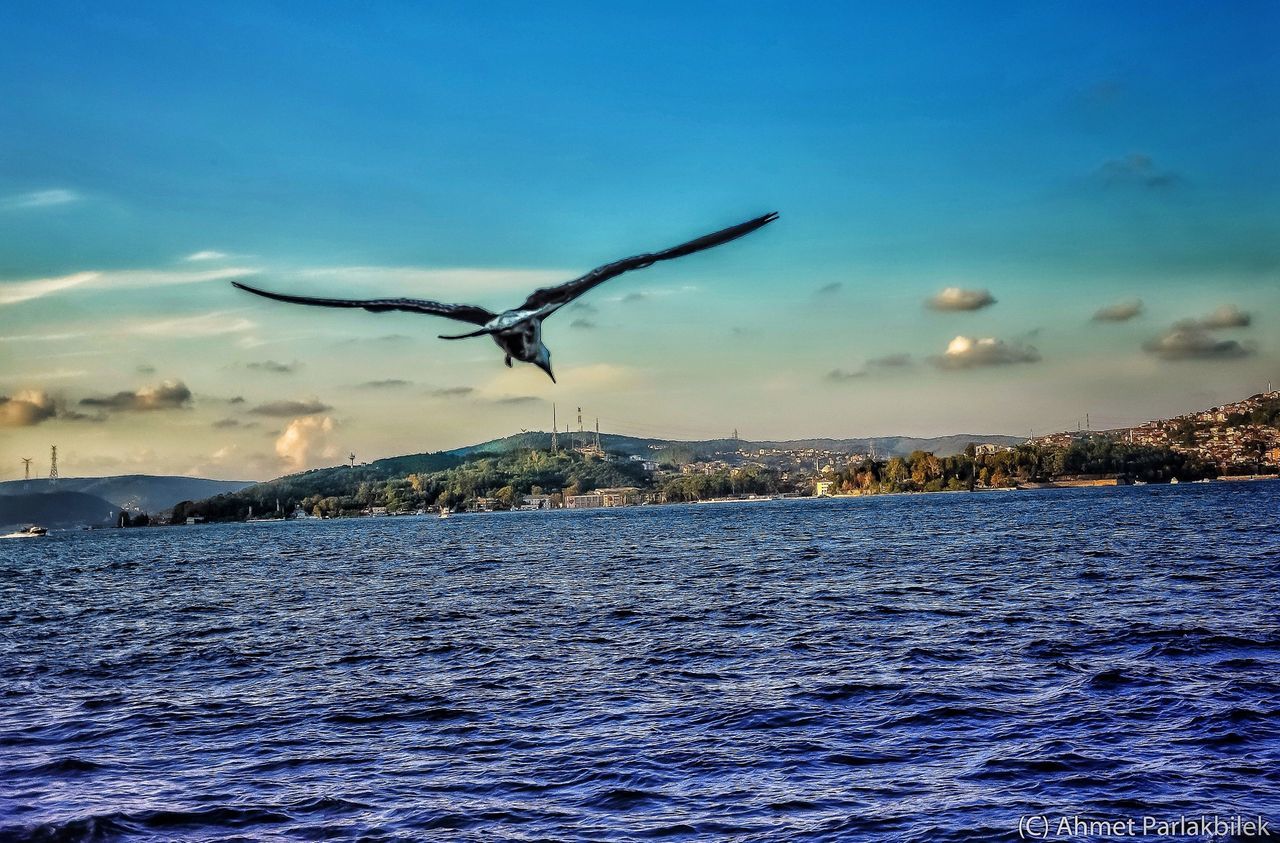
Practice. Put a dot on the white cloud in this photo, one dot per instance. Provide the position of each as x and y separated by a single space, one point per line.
958 298
968 353
13 292
306 440
43 337
205 325
40 199
206 255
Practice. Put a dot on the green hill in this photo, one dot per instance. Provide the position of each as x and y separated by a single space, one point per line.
421 480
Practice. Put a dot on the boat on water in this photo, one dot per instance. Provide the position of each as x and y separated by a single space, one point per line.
28 532
444 512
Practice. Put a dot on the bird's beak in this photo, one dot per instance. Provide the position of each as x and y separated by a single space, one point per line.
546 367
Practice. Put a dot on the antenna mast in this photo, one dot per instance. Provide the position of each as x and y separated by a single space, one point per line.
554 444
53 465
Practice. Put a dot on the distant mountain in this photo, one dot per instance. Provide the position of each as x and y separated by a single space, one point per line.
61 509
884 446
138 492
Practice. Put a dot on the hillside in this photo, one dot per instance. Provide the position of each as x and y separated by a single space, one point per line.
61 509
1242 437
517 464
885 446
411 482
137 492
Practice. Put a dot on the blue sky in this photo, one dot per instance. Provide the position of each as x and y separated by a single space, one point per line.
1065 158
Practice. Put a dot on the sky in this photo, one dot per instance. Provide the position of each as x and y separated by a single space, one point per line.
995 218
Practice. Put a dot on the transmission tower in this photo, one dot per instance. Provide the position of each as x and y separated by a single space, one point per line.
597 434
26 468
53 465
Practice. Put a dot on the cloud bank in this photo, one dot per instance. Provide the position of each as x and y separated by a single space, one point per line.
1191 342
285 409
26 409
168 395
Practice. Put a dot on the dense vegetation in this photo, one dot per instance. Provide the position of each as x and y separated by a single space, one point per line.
406 484
1095 457
748 480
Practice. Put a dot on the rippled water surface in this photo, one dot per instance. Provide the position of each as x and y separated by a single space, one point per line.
897 668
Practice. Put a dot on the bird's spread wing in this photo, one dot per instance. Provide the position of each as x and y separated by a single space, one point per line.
461 312
555 297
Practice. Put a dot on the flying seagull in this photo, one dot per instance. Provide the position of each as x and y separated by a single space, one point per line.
518 332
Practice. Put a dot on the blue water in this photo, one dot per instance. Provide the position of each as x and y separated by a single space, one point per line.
897 668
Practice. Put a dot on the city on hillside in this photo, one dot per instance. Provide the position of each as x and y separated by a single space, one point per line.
1242 437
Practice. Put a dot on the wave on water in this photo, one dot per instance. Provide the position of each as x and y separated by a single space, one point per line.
893 669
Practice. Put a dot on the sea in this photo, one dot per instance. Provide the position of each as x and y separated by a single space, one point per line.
941 667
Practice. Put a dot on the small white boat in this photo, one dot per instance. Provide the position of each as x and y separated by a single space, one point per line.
30 531
444 512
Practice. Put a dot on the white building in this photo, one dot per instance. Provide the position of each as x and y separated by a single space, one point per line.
536 502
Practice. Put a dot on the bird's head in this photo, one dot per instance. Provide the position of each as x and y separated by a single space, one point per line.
543 361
